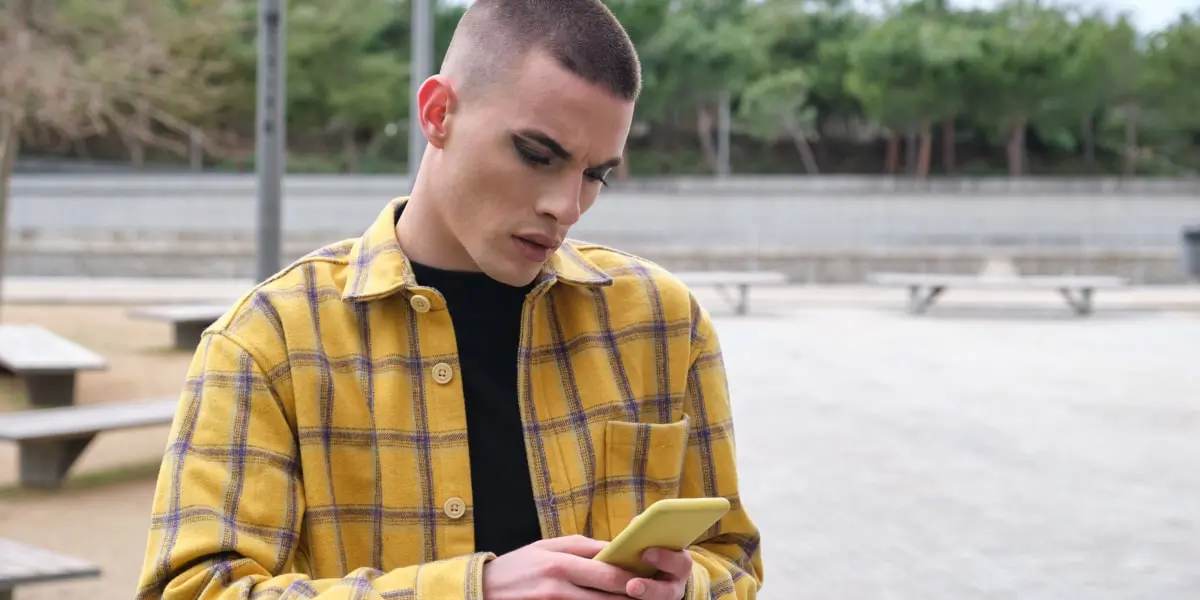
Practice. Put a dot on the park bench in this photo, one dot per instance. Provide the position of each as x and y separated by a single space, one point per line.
742 281
925 288
188 321
50 440
21 564
45 362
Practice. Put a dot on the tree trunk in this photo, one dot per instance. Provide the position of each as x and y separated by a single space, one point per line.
1131 144
925 153
1088 133
10 144
893 153
704 129
799 138
1015 148
910 151
136 138
350 148
948 139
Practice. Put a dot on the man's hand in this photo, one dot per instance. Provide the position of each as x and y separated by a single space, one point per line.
675 567
560 568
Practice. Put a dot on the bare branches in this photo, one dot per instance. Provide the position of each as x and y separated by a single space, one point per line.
89 67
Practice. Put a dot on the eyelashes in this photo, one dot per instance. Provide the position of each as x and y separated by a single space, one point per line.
536 159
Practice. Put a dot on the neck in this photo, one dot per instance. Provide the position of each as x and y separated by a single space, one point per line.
422 231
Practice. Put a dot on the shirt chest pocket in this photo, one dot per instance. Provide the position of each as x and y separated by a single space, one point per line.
637 464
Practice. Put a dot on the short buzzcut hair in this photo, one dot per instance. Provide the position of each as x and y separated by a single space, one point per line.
583 36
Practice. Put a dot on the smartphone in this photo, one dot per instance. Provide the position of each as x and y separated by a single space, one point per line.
672 523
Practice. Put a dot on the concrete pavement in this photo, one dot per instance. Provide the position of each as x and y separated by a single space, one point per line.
996 449
78 290
970 457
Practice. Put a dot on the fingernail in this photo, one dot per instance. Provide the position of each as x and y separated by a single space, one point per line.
639 588
651 555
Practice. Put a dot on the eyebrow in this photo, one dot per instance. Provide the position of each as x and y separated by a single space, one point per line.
557 149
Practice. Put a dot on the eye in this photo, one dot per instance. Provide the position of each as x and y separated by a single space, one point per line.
531 156
602 177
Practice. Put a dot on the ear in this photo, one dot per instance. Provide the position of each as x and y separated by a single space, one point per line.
435 102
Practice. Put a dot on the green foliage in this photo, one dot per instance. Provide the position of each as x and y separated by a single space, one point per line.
1072 83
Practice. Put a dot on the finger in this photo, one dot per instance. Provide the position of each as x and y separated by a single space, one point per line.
676 563
656 589
577 545
566 590
593 574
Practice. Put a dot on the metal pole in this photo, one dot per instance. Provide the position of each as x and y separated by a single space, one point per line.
420 70
271 137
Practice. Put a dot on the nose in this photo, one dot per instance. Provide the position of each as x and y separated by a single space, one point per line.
563 205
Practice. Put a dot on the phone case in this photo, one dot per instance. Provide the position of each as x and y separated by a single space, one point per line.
672 523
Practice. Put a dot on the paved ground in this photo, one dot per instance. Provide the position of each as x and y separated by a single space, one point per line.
987 451
973 455
145 290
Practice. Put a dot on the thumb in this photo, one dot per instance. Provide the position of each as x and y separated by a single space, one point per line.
574 544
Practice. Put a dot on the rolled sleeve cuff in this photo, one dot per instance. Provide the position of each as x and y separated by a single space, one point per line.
697 584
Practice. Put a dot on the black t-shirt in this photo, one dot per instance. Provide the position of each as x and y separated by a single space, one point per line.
487 326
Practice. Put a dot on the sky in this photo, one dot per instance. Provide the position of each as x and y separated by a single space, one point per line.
1148 15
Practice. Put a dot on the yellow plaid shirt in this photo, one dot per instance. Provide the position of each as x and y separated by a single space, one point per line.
320 445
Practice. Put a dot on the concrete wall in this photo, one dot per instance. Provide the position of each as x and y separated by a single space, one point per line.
817 229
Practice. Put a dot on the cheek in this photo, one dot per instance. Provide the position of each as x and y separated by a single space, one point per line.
588 198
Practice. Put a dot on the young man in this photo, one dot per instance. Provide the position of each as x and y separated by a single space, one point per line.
462 403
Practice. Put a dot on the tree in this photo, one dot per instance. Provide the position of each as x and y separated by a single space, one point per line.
339 96
910 72
776 105
1026 48
807 45
699 57
76 68
1172 85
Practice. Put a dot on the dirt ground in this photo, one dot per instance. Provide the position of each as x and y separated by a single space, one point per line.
103 512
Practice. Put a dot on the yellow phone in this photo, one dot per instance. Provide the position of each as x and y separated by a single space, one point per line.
671 523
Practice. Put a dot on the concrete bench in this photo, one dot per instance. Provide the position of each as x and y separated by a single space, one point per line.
21 564
742 281
187 320
925 288
46 363
50 440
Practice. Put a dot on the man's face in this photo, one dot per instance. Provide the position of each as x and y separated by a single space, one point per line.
523 160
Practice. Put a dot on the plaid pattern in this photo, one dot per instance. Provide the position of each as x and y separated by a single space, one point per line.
319 451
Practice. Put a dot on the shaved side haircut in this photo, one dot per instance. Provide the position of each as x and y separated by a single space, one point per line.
583 36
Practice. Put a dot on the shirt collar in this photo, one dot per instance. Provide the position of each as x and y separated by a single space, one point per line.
379 268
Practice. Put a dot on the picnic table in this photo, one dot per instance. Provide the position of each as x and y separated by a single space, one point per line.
46 363
21 564
741 281
188 321
50 440
925 288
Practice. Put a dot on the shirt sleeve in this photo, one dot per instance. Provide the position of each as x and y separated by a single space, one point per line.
230 499
728 561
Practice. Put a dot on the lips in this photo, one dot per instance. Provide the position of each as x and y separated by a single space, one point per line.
535 248
537 239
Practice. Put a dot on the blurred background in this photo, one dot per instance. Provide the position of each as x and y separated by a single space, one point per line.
154 164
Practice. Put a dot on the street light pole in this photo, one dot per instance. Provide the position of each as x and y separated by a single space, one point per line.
420 69
271 135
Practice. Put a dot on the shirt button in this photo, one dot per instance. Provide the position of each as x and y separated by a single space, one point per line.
443 373
420 303
455 508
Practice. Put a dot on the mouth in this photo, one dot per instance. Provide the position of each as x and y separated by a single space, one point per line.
543 242
536 248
